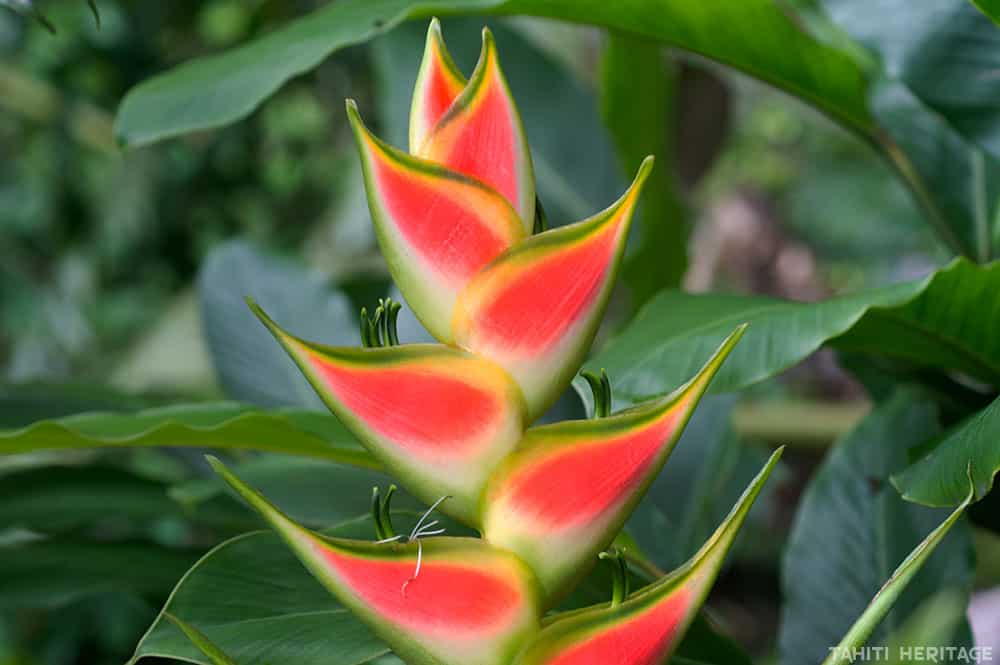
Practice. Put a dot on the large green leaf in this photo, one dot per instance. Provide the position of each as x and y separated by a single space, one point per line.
852 529
945 321
50 573
629 64
935 94
210 425
756 36
252 598
940 478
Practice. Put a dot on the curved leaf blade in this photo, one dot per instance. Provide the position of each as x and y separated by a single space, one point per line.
207 425
945 321
230 596
756 36
941 477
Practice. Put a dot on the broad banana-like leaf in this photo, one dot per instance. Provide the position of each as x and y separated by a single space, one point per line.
648 625
481 135
469 604
536 308
439 83
437 228
437 418
567 491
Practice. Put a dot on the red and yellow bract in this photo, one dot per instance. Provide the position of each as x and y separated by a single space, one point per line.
536 308
471 604
567 491
645 628
438 418
481 135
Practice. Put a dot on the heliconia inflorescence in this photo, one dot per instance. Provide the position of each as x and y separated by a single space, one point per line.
515 309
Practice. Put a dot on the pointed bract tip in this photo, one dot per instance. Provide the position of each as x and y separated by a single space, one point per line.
641 175
354 116
264 318
645 167
216 464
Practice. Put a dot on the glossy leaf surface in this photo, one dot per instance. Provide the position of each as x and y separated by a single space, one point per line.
940 478
202 425
672 336
755 36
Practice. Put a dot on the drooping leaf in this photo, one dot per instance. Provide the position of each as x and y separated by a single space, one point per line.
756 36
649 624
205 425
567 491
436 227
933 93
941 477
639 128
893 588
437 417
675 332
481 135
535 310
852 528
467 603
439 83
